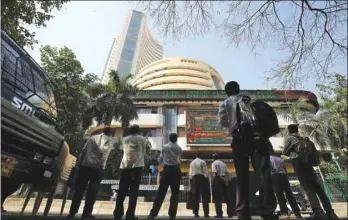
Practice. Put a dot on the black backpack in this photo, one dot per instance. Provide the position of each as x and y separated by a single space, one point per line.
267 118
248 122
307 152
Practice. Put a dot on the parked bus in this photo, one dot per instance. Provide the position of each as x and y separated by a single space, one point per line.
30 137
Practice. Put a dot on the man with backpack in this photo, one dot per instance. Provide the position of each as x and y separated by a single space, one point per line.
246 143
303 155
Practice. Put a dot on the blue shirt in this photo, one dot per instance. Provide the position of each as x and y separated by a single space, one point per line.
277 165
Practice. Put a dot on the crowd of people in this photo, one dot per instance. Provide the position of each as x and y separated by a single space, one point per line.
272 173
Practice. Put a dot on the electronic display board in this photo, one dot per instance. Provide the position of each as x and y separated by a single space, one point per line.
203 129
268 95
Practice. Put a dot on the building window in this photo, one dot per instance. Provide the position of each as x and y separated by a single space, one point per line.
148 132
147 110
216 82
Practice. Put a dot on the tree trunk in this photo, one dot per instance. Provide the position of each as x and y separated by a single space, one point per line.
108 119
125 126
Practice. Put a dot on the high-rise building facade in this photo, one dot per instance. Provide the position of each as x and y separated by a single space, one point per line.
133 49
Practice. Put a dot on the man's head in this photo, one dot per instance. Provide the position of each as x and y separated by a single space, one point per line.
134 129
107 131
216 156
293 129
198 155
232 88
173 137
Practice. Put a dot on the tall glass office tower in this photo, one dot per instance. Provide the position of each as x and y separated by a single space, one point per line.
133 49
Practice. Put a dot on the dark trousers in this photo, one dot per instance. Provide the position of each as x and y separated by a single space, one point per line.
281 185
221 192
171 176
129 182
312 186
86 176
8 187
243 148
200 189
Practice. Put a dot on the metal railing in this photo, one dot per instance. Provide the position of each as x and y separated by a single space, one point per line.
336 188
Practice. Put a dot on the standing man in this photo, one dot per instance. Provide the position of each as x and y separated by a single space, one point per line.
171 176
308 178
220 187
199 185
245 146
135 148
92 162
281 185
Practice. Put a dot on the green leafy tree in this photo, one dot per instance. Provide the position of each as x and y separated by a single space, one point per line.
312 34
69 83
18 15
328 168
329 125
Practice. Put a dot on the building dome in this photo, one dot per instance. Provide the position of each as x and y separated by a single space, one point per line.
178 73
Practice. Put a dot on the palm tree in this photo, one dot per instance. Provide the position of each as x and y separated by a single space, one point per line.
329 125
112 101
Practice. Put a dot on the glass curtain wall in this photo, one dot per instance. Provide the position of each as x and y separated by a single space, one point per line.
127 55
170 122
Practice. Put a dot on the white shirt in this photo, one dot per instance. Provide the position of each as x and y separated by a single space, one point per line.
170 155
219 168
228 113
135 148
96 151
198 167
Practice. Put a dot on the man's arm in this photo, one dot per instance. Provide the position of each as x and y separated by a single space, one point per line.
284 166
160 159
205 169
287 146
213 168
190 172
83 153
222 116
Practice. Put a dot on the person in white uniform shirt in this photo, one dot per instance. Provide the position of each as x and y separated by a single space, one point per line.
171 176
199 185
92 162
219 188
135 149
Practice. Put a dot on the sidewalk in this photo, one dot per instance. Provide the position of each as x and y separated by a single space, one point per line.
105 208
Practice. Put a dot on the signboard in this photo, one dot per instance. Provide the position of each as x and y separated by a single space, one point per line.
203 129
268 95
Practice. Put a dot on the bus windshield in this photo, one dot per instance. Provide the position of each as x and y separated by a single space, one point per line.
23 76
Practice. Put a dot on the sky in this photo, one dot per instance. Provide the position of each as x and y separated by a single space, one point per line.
88 28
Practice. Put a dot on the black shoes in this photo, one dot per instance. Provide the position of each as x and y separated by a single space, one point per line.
270 217
244 217
150 217
332 216
87 217
318 216
70 217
